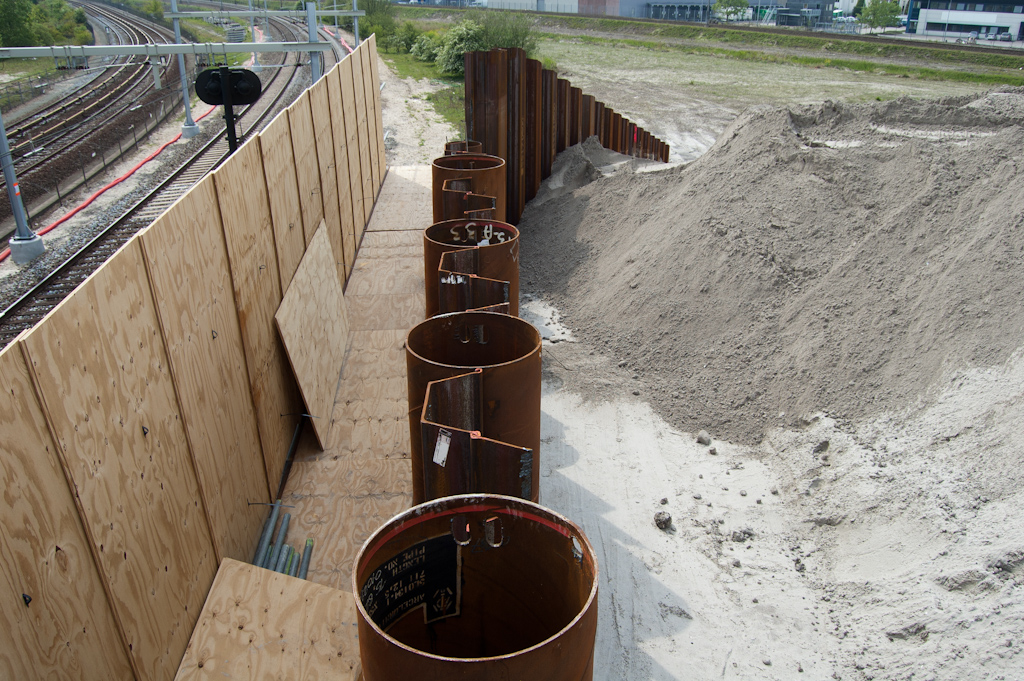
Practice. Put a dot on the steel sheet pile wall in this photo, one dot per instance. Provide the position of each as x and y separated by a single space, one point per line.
150 413
527 114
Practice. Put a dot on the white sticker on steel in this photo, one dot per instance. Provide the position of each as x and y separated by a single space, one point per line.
444 439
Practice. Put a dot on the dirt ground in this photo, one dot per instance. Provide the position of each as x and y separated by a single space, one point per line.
831 292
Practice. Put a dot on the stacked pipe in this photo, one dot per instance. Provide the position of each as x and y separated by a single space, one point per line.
276 555
526 114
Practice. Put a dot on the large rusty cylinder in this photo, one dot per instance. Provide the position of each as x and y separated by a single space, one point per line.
463 147
460 289
477 588
458 199
459 457
485 172
508 351
497 256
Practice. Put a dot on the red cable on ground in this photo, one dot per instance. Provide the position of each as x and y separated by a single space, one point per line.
53 225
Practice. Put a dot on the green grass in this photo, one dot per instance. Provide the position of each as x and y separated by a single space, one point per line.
408 66
23 68
986 77
449 102
789 40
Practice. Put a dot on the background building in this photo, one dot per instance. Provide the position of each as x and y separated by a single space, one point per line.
959 19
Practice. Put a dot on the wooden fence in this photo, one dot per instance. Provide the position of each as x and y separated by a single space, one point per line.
148 417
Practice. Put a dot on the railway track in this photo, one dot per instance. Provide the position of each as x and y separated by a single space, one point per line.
56 142
278 79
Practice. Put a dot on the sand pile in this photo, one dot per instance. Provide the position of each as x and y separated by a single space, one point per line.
836 258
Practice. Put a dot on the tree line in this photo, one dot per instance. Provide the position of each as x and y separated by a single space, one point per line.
26 23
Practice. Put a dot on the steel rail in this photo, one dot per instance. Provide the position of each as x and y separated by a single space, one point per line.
30 307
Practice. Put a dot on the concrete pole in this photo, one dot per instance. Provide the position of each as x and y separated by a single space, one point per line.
256 68
189 127
314 57
355 22
26 245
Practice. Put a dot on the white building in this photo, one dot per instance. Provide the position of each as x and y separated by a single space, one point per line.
958 19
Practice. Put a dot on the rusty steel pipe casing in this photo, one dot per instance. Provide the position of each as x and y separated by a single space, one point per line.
486 174
477 588
499 259
508 350
463 147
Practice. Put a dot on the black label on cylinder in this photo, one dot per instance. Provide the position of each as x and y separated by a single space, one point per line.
427 574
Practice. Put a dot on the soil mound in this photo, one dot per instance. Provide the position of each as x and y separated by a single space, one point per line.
834 258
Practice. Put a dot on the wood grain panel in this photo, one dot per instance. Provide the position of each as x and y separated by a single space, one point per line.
378 113
387 276
259 624
187 261
283 193
102 374
376 353
348 105
378 239
245 213
324 136
369 146
341 502
376 436
401 311
307 170
67 629
404 203
313 323
367 192
348 227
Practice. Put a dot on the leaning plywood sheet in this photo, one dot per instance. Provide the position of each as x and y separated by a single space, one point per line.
314 326
283 192
245 213
348 227
367 192
348 106
369 55
381 160
65 627
300 120
259 624
187 262
324 136
101 371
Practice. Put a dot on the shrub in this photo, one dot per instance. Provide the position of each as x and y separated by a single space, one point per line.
427 46
407 35
509 29
465 36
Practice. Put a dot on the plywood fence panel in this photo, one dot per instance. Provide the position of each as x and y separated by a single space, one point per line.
365 172
348 104
378 112
348 227
259 624
313 323
102 374
187 261
324 136
245 213
369 144
283 192
300 120
67 629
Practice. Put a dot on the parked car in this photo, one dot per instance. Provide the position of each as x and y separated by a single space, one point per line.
1005 37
